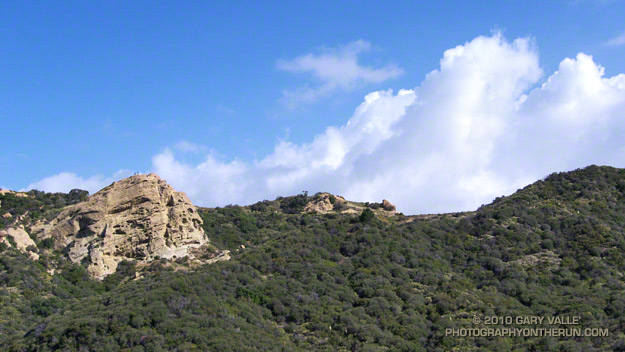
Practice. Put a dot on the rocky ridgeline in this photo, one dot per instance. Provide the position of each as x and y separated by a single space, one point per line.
138 218
323 203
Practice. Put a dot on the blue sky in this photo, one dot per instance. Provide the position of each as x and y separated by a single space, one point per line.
229 90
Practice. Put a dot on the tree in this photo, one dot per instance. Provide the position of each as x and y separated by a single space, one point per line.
367 215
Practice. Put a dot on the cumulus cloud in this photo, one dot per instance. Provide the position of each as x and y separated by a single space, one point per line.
616 41
483 124
476 128
334 69
66 181
210 182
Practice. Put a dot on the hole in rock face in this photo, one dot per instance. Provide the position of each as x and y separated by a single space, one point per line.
170 202
85 232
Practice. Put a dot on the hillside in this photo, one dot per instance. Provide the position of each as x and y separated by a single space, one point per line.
304 275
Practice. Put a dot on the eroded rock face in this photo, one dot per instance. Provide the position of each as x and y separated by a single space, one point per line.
21 238
386 205
139 218
323 203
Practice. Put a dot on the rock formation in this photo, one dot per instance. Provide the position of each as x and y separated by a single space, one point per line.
17 194
386 205
20 237
140 218
323 203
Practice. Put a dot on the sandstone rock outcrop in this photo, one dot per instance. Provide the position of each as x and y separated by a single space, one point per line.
386 205
140 218
323 203
17 194
20 237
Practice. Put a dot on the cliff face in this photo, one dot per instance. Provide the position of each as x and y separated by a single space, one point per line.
140 218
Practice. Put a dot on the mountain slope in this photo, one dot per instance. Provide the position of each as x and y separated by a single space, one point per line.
341 281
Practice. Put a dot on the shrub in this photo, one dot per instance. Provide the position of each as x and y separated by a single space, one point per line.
367 215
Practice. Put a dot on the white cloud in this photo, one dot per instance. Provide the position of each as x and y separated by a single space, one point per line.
209 182
188 147
334 69
476 128
66 181
616 41
473 130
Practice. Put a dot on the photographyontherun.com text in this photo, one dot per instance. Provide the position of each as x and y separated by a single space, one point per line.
566 327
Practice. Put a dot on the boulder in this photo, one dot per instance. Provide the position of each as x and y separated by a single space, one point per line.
386 205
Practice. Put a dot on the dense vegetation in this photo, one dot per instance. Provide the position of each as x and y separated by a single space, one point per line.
348 282
37 204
